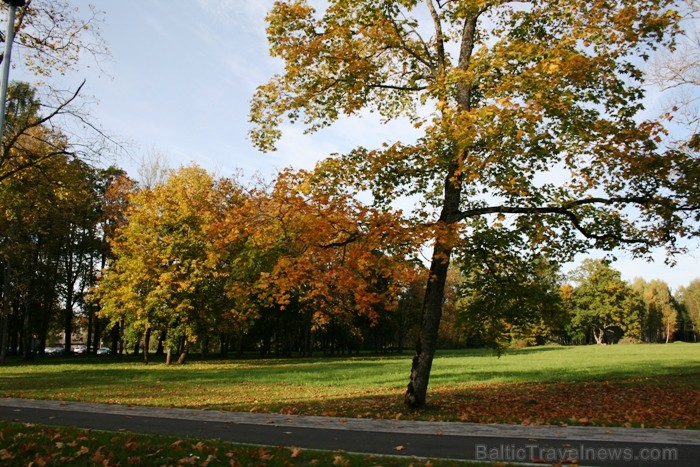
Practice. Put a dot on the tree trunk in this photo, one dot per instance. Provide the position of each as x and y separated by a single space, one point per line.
417 389
223 350
205 346
415 397
169 356
28 347
96 335
599 336
161 343
68 310
184 353
183 357
5 321
88 344
146 344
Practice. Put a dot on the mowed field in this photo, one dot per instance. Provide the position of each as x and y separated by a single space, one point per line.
623 385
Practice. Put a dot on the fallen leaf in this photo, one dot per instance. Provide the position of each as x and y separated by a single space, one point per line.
83 450
264 454
38 460
130 446
199 447
97 456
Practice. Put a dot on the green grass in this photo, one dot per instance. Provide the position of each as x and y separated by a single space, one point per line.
98 378
358 386
631 385
570 364
27 444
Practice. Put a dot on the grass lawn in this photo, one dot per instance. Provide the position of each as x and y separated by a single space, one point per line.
632 385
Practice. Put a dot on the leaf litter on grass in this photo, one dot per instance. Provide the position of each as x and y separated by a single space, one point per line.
626 402
41 446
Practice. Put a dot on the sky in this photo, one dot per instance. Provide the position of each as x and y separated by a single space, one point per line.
179 82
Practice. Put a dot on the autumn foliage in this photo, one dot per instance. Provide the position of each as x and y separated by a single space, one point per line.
198 256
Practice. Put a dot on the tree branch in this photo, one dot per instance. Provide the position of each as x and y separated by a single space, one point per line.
57 111
566 210
352 236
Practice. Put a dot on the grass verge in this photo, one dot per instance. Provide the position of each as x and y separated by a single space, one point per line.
28 444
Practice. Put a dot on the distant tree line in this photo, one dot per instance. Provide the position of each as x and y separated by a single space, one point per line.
530 303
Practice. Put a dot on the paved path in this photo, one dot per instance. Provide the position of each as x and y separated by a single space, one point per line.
589 445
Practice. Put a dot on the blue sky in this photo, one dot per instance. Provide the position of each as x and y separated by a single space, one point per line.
179 82
180 79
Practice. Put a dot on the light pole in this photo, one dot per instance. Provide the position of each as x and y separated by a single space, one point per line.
9 39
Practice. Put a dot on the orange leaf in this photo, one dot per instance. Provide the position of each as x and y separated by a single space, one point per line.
83 450
176 444
199 447
264 454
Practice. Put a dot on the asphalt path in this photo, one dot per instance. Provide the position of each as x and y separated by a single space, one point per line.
510 443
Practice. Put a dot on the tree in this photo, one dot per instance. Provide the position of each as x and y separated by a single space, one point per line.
333 259
166 275
689 298
661 315
528 112
28 139
604 305
53 36
48 217
153 169
508 293
678 70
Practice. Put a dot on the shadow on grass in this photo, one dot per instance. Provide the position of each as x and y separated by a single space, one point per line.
482 352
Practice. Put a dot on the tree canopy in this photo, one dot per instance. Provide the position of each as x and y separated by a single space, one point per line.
198 254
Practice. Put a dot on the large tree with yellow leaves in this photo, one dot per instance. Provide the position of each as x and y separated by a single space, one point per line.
530 119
